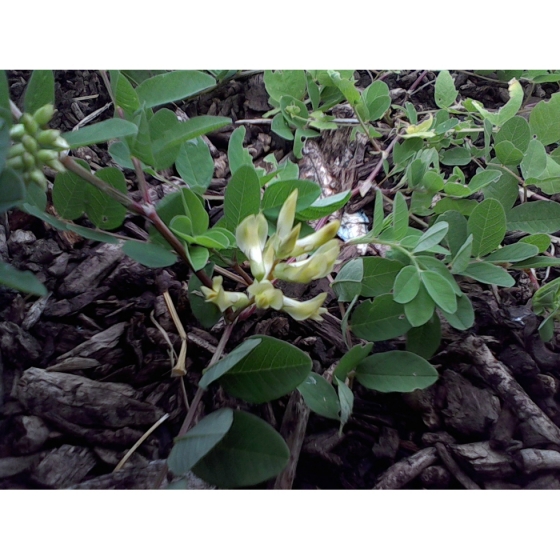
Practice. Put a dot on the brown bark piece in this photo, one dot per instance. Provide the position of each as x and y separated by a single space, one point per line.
508 389
408 469
104 340
91 271
470 410
64 466
484 460
82 401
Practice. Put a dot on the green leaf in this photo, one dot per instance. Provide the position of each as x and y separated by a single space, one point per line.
125 95
400 217
198 256
488 273
534 161
351 359
5 95
463 256
100 132
70 193
378 214
505 190
487 224
270 371
22 281
541 216
455 156
508 154
516 131
276 194
420 309
149 254
206 313
425 340
93 234
325 206
432 236
483 179
407 284
346 398
103 211
463 318
457 232
39 91
195 165
513 253
396 371
242 197
445 92
377 100
440 290
188 130
431 263
194 210
540 240
285 82
210 374
237 154
5 142
198 441
544 120
464 207
213 240
172 86
48 218
141 145
536 262
280 126
319 395
380 319
250 453
378 275
348 282
160 123
546 298
12 189
509 110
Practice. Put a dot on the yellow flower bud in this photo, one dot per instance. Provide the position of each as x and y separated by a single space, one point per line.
46 155
15 162
17 131
266 295
286 216
316 266
37 176
30 143
30 124
218 296
302 310
28 161
311 242
285 247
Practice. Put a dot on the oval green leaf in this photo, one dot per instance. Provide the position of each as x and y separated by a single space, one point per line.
396 371
319 395
380 319
149 254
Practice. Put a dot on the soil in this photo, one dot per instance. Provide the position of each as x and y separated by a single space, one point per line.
85 372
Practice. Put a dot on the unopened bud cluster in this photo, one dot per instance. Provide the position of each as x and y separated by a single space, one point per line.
35 146
283 256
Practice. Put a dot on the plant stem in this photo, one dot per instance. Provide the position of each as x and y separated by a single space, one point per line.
141 180
200 391
146 210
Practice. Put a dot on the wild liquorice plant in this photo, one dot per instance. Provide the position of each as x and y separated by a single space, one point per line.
461 229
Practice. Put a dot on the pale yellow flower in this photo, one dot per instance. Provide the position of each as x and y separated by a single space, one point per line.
266 295
316 266
311 242
218 296
251 236
302 310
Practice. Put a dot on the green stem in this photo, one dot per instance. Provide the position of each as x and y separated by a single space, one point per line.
148 211
200 391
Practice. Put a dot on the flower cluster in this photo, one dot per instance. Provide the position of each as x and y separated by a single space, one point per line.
283 256
35 146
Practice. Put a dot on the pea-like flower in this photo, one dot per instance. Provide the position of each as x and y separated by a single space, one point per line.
266 295
265 259
302 310
318 265
218 296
